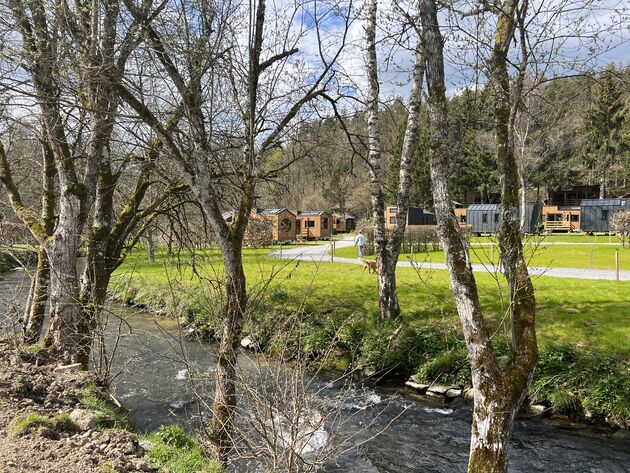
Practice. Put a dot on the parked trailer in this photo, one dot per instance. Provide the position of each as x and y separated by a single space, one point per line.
486 218
596 214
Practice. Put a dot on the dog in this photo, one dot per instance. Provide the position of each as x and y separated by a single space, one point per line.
369 265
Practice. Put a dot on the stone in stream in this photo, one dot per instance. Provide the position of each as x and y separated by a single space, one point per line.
537 409
421 388
248 343
469 395
453 393
440 390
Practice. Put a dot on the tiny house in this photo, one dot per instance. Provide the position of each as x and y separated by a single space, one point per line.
486 218
343 222
597 214
283 223
560 218
415 216
314 224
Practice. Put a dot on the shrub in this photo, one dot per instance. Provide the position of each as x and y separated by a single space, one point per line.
174 436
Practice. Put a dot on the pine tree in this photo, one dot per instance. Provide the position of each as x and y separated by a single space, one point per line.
604 126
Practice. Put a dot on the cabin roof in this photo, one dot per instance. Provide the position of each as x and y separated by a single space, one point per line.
603 203
344 216
271 211
312 213
227 214
487 207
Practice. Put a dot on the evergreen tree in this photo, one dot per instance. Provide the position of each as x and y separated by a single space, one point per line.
604 126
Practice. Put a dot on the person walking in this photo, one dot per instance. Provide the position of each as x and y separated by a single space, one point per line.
359 242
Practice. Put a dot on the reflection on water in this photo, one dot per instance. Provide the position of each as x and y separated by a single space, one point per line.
154 382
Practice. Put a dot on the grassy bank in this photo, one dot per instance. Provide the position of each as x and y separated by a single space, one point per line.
564 255
336 303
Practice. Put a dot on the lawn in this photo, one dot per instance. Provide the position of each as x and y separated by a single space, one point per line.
566 256
592 314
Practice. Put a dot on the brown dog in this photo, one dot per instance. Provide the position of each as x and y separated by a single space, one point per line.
369 265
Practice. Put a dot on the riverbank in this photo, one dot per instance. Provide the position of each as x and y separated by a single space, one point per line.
324 313
17 258
56 419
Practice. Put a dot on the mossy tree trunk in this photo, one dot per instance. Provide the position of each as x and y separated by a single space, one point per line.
499 391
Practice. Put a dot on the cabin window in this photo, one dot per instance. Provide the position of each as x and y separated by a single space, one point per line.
285 225
496 218
393 210
604 214
338 221
575 218
484 218
310 223
325 223
392 220
462 218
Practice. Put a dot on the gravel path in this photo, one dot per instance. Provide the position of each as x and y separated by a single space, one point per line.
320 253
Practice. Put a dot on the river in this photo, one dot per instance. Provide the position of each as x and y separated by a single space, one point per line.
415 436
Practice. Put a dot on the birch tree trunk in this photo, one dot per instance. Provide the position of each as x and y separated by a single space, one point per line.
387 250
499 392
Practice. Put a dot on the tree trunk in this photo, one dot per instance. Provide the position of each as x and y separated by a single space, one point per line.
38 299
221 428
602 185
523 195
150 246
498 392
387 250
62 334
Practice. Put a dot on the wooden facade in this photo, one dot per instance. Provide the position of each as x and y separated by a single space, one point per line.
283 223
343 222
312 225
557 218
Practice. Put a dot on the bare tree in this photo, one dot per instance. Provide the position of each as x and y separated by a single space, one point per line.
237 105
387 249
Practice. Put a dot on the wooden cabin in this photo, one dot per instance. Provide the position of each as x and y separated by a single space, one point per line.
415 216
343 222
283 223
461 216
314 224
556 218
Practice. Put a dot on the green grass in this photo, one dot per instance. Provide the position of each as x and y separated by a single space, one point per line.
176 452
108 415
589 314
564 256
33 421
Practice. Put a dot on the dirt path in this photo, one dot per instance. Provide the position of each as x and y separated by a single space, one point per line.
321 253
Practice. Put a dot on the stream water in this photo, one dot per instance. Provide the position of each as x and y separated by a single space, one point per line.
416 436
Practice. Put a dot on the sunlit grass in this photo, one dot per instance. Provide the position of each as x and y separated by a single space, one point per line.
590 314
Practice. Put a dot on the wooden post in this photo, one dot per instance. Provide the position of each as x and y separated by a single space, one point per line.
492 252
332 254
411 250
280 250
617 264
